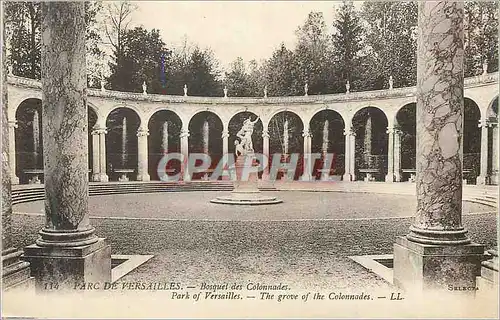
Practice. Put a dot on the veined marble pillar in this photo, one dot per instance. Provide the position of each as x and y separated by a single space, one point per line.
397 155
307 165
102 155
185 154
265 151
142 153
483 177
95 155
68 251
390 155
437 252
12 125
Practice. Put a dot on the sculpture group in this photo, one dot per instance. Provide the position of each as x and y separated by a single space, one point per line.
245 146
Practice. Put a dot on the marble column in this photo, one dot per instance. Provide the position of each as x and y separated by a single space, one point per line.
185 154
96 170
12 125
265 151
350 154
68 251
142 154
397 155
15 272
102 155
225 152
390 155
483 177
307 165
437 252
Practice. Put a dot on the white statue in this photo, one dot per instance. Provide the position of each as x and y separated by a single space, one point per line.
102 85
347 86
485 67
185 90
144 88
391 83
306 88
245 134
265 91
225 92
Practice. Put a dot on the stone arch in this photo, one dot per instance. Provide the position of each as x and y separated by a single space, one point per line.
276 111
200 125
29 140
235 124
471 141
177 113
164 127
406 123
122 124
138 112
295 143
371 144
327 136
204 109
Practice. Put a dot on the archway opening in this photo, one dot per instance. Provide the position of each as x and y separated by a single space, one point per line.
471 141
327 130
285 139
205 136
29 141
121 144
164 137
370 126
406 124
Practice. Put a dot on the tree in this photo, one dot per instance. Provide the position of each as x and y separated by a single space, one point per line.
312 56
140 61
24 33
279 72
203 74
347 46
391 40
237 79
481 36
24 37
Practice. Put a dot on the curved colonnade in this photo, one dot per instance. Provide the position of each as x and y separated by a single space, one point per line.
371 134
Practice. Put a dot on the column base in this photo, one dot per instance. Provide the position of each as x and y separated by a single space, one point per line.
482 180
389 178
66 267
103 177
494 178
439 268
306 177
96 177
15 272
143 177
348 177
397 177
14 179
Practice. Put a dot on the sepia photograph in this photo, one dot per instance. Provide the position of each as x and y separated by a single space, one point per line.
250 159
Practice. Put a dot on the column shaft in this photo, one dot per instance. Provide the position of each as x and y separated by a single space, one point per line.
482 179
265 151
306 175
142 153
12 151
185 154
352 155
95 156
390 156
347 155
102 156
397 156
440 105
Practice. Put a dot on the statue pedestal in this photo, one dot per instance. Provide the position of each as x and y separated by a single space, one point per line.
246 191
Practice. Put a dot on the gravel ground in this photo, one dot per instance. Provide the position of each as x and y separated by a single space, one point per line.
305 254
296 205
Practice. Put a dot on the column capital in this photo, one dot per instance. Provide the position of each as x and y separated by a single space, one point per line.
99 130
13 124
184 133
349 131
141 132
265 134
225 134
306 133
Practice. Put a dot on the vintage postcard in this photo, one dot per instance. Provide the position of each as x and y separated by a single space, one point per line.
249 159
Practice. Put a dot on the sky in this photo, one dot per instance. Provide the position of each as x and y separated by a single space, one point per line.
249 29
